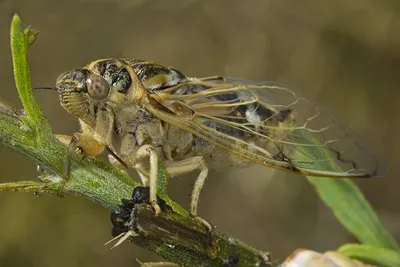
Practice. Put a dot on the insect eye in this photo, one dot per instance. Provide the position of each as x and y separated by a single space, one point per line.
97 87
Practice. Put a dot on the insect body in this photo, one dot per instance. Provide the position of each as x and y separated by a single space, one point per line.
155 112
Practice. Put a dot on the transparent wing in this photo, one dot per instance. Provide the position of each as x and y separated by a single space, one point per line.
267 124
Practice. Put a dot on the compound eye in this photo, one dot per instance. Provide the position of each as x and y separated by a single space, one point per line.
97 87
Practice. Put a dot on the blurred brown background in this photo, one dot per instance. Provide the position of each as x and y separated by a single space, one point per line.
345 54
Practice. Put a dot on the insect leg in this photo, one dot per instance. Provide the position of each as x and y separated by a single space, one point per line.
188 165
90 142
86 144
135 160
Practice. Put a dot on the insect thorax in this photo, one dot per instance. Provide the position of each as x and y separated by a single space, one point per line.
136 126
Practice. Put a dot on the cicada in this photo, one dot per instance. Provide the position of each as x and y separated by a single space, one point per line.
143 112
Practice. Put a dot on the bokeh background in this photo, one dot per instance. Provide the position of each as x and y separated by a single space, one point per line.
344 54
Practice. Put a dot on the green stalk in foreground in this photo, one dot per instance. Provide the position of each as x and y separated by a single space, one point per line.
29 133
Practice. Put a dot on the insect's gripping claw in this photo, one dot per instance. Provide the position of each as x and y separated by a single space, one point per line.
210 228
85 144
156 207
66 140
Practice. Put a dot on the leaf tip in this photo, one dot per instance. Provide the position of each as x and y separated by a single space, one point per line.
16 19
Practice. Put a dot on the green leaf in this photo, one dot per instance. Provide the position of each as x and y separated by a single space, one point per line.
371 254
19 46
353 211
347 202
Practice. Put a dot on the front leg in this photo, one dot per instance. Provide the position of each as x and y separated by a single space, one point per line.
84 143
90 142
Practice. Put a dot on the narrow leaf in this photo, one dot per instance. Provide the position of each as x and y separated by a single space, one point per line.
19 45
353 211
347 202
372 254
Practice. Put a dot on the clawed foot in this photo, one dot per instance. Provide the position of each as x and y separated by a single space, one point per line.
156 207
207 225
